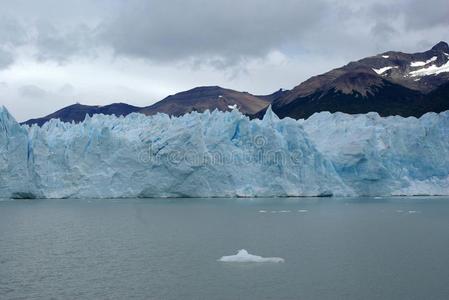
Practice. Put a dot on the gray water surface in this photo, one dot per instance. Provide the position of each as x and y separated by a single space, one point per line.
352 248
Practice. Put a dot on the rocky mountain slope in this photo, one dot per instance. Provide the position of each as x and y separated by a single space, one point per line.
391 83
210 97
198 99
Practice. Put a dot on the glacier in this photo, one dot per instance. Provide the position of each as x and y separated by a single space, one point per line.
389 156
225 154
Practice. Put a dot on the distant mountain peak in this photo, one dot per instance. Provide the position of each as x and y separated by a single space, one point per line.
207 88
78 112
391 83
441 46
207 98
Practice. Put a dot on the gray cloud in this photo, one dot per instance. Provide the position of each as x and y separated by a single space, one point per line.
383 30
12 32
221 30
218 33
32 92
415 14
142 50
226 33
60 45
6 59
12 35
54 29
425 14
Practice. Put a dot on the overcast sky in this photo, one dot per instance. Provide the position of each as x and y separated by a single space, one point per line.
54 53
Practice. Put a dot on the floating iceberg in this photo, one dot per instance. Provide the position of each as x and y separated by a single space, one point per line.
225 154
243 256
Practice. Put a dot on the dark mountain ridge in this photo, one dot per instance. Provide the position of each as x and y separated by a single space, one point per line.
77 112
208 98
197 99
390 83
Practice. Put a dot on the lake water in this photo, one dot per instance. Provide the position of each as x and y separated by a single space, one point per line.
351 248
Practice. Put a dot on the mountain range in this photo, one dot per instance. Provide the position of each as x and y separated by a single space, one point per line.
390 83
209 97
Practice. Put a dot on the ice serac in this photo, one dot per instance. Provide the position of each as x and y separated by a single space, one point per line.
225 154
197 155
14 158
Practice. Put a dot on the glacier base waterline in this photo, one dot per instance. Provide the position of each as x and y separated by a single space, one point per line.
225 154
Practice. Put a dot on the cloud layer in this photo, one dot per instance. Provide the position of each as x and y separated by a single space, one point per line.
196 41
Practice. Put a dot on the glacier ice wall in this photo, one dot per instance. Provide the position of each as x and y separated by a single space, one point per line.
198 155
224 154
385 156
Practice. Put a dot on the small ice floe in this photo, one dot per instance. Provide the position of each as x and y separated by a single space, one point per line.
285 211
413 211
243 256
262 211
377 197
399 211
302 210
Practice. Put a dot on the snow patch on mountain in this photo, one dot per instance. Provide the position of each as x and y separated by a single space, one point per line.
431 70
383 70
423 63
